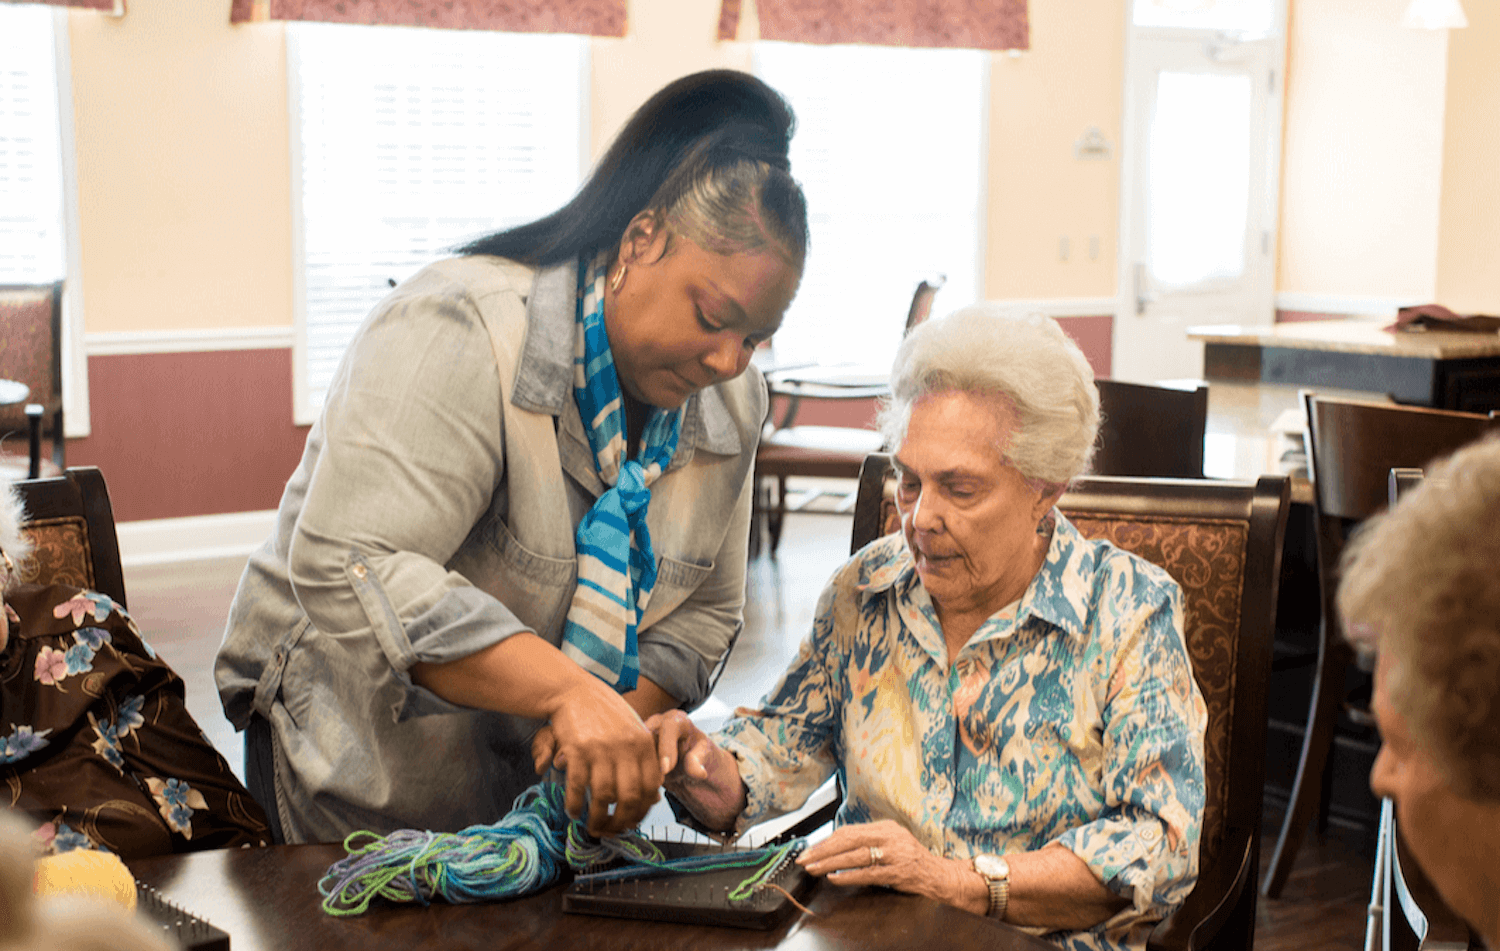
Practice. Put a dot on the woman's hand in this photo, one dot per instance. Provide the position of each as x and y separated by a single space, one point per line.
886 853
608 754
702 776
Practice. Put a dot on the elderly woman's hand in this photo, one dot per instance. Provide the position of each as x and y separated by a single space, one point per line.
702 776
886 853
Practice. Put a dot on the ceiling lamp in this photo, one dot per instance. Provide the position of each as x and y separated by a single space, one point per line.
1434 15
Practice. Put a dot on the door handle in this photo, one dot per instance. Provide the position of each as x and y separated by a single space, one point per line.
1143 297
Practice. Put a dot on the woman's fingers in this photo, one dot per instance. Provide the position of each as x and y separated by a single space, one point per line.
543 749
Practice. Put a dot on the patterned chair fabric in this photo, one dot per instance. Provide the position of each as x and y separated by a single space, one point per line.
63 554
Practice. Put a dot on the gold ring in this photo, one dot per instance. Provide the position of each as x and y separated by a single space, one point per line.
875 855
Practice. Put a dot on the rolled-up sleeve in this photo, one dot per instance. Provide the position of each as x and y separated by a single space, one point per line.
1144 843
412 454
786 746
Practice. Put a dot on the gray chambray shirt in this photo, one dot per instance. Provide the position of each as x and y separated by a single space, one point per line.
431 516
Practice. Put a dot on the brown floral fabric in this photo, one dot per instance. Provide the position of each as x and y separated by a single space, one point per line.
96 744
586 17
61 552
962 24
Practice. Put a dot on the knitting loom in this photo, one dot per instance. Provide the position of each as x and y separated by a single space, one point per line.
700 897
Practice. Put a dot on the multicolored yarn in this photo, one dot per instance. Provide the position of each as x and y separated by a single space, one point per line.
522 853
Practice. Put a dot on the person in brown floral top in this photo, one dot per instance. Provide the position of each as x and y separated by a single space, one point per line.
97 747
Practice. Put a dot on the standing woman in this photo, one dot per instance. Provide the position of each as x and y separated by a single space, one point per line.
468 581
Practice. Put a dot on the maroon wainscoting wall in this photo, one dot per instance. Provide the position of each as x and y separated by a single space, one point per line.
179 434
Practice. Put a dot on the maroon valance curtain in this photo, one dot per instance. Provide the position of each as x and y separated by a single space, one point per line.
963 24
116 7
587 17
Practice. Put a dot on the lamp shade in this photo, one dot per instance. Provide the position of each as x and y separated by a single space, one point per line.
1434 15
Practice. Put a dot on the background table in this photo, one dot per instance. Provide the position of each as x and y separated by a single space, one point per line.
267 899
1441 369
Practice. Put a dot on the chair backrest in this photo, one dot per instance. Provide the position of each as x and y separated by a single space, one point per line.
31 348
1222 542
70 520
921 301
1351 449
1150 430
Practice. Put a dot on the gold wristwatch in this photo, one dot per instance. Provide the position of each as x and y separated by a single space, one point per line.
996 874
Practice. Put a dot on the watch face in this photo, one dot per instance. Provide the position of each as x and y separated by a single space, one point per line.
991 866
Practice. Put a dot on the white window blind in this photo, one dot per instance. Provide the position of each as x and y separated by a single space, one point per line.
890 149
407 143
31 199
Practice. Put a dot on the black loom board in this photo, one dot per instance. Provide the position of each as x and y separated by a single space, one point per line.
186 929
695 898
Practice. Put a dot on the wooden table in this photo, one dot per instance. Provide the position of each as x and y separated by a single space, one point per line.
267 900
1442 369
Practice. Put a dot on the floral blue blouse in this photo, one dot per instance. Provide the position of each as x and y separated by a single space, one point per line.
96 744
1070 718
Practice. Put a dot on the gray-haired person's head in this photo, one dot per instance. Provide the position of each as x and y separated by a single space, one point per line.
15 543
1022 359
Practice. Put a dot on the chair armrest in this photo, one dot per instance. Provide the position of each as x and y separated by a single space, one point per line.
1211 902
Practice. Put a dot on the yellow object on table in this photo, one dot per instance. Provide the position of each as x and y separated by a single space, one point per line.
87 873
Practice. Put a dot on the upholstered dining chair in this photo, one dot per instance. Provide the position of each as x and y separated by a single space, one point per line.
1149 430
1351 448
72 524
828 452
1222 542
31 353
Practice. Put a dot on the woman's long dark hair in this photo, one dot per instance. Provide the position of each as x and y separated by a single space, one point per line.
718 118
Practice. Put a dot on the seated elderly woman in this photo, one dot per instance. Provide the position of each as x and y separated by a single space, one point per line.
1419 586
97 747
1009 706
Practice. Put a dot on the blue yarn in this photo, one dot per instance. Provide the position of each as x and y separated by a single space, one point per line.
523 853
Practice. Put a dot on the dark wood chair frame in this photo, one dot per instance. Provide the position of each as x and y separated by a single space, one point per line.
1151 430
1351 448
80 494
1219 913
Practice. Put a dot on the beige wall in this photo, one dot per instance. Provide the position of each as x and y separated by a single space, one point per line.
1041 102
183 170
1363 151
1468 261
184 173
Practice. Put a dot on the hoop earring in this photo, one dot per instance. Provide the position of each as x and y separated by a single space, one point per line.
617 280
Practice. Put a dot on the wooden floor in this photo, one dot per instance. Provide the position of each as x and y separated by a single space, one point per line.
181 608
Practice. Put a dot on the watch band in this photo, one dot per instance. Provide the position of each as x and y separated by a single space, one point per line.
999 897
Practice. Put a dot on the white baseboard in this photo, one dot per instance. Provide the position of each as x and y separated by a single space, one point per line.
200 340
1342 304
193 538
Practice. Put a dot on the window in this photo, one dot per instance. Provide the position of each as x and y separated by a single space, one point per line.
31 197
409 142
890 148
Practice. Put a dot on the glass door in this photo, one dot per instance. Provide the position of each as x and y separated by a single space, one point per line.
1198 208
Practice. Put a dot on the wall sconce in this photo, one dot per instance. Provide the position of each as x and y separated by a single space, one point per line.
1434 15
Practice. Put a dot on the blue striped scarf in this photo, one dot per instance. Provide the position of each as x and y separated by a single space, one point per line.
616 566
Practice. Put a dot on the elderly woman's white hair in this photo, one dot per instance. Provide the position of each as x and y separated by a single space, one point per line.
13 541
1024 358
